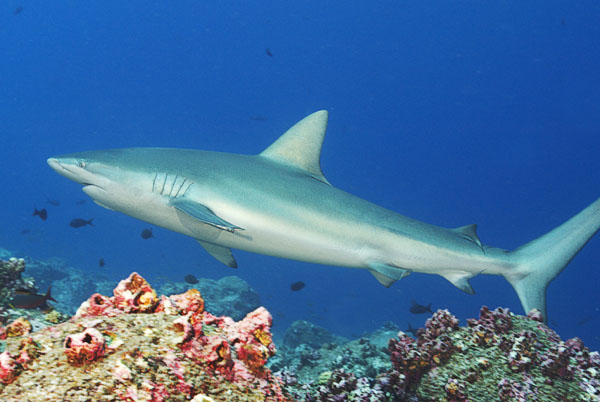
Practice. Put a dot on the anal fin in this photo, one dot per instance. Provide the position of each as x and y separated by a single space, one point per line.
460 280
222 254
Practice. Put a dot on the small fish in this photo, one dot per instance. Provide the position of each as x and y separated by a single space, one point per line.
78 222
26 299
296 286
18 10
146 234
42 213
268 52
585 320
412 330
25 231
101 262
191 279
56 203
81 202
416 308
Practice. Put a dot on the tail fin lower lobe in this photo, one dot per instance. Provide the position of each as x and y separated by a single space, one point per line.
541 260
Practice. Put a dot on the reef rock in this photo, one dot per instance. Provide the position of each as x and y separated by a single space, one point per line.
306 333
136 346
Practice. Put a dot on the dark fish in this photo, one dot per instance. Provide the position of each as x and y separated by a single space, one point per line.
416 308
101 262
146 234
18 10
42 213
26 299
81 202
56 203
296 286
25 231
191 279
585 320
268 52
78 222
412 330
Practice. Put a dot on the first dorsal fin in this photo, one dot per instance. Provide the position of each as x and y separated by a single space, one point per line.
469 232
300 146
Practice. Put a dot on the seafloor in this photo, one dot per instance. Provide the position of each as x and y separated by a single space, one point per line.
134 345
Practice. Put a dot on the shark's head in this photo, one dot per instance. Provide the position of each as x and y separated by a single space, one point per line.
105 175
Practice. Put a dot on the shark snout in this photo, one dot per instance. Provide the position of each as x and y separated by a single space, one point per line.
54 164
61 168
69 169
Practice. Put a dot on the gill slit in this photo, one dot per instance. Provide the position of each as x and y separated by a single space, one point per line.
164 183
188 188
154 181
180 186
173 185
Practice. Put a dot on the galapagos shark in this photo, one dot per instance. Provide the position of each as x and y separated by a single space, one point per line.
279 203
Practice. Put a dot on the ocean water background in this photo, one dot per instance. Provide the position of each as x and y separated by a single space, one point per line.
449 112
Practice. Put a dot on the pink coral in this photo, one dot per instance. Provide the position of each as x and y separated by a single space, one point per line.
8 368
85 347
190 301
98 305
135 295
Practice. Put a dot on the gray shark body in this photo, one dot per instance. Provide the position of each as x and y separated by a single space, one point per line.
279 203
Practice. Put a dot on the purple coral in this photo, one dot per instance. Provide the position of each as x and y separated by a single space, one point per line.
441 322
489 325
555 362
433 347
522 353
511 391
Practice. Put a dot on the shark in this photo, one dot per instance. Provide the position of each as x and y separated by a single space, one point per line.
279 203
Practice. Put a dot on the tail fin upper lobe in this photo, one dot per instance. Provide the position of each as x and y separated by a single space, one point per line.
541 260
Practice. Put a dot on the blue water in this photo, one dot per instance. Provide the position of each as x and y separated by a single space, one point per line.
449 112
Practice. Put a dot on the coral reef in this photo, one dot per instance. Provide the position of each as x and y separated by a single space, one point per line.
499 356
70 286
230 296
305 333
135 346
11 279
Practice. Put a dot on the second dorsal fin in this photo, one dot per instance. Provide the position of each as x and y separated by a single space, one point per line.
300 146
469 232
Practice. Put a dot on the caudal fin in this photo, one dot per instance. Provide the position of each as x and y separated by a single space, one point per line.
48 295
541 260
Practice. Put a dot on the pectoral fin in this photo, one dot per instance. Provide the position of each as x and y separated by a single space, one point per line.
222 254
202 213
387 274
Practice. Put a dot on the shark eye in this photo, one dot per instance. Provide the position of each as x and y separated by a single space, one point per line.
81 164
